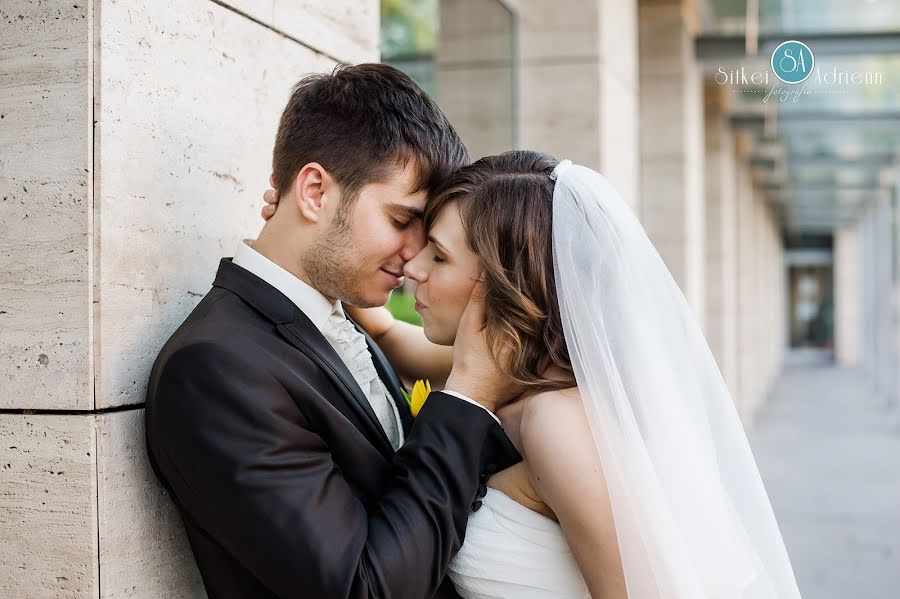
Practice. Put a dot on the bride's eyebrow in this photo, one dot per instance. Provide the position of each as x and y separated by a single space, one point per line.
432 239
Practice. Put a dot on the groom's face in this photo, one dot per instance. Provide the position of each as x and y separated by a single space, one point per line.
361 257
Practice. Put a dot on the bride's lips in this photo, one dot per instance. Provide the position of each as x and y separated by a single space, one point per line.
419 305
395 278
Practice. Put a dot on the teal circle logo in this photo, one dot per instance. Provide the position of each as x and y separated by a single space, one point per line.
792 62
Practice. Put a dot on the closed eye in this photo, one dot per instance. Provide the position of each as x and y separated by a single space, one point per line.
401 224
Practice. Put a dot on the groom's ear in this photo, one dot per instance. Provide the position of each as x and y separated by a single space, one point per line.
309 191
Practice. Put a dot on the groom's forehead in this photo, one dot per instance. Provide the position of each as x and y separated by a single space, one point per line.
398 193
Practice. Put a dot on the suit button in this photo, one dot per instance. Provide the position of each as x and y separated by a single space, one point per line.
476 506
484 477
482 491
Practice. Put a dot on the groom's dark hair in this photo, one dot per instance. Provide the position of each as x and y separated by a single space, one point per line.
361 122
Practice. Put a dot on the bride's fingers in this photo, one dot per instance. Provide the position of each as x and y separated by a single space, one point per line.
268 211
271 196
473 316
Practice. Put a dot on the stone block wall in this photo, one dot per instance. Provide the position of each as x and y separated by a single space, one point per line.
136 143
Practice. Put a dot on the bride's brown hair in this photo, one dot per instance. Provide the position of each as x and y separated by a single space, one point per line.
505 203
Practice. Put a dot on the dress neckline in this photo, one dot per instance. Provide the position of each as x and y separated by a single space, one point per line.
527 515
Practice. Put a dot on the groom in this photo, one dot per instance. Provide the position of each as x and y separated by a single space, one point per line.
277 425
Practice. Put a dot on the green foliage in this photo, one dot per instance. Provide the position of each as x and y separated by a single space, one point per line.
402 306
408 28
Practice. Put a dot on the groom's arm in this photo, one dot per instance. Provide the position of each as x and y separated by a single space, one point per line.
246 466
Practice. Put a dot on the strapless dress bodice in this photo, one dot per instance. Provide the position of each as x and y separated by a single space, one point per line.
512 552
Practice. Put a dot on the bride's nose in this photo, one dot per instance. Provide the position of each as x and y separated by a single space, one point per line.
413 269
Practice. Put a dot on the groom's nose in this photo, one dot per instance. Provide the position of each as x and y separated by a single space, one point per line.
413 242
409 251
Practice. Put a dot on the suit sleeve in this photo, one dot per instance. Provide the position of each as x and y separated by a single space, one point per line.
245 466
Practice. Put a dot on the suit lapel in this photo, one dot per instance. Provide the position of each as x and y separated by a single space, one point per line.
303 335
300 332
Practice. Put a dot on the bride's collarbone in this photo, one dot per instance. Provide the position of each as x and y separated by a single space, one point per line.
514 482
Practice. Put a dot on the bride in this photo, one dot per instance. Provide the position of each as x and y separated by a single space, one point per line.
637 479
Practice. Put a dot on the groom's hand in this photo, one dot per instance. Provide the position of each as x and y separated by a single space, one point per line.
475 373
271 198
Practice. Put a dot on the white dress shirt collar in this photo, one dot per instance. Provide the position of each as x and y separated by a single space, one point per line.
310 301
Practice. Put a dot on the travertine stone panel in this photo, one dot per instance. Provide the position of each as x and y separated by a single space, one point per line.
619 133
721 245
561 112
749 373
664 37
662 117
619 39
45 204
558 31
474 31
478 102
663 189
847 280
346 30
577 84
190 100
475 84
144 552
671 132
48 506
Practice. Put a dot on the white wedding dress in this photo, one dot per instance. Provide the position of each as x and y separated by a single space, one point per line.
692 517
512 552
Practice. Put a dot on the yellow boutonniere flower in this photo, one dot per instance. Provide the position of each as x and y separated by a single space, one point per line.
418 396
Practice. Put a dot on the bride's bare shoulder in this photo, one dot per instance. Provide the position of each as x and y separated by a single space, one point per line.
550 415
559 448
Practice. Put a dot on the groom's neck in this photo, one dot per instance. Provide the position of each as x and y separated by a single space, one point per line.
276 245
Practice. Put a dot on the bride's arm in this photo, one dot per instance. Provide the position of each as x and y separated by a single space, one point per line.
411 354
566 474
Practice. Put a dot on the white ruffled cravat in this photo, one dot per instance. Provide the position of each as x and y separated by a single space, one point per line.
351 346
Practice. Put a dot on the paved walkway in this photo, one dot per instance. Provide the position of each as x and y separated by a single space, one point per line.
828 449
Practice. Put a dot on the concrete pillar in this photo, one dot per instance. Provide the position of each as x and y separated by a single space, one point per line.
879 356
895 293
761 316
847 281
579 85
671 109
886 359
869 302
136 144
475 79
757 294
748 329
721 235
772 281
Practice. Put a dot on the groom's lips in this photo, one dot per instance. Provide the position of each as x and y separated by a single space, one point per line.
396 278
419 305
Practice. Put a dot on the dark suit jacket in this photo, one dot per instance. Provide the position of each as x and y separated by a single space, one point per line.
285 480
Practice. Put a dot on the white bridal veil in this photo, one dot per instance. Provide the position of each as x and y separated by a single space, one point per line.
691 514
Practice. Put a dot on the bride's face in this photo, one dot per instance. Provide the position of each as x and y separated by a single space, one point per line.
445 271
